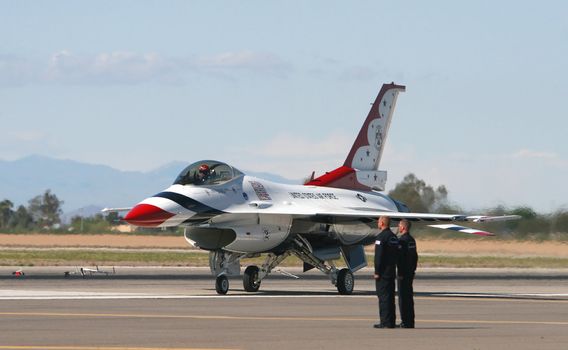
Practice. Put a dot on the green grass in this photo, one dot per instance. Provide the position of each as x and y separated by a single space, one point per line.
100 257
55 257
493 261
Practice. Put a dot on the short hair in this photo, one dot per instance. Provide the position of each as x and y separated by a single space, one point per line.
406 223
385 219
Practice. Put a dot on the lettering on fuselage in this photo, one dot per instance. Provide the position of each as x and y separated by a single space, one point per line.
260 191
310 195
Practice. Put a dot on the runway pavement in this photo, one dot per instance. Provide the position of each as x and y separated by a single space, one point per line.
177 308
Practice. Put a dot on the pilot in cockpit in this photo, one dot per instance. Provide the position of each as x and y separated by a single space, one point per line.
203 174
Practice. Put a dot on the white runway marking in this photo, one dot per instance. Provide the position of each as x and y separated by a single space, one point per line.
15 294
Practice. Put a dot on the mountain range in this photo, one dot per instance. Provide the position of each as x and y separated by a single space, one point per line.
87 188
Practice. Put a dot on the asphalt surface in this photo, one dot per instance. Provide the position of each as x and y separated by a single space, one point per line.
177 308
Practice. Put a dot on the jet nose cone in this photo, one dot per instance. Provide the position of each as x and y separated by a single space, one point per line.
147 215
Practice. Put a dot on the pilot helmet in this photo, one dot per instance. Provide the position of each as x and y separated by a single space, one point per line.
204 169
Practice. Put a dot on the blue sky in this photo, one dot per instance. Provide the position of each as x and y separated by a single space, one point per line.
284 86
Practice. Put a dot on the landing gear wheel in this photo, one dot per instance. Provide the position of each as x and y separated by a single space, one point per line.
249 277
345 282
222 284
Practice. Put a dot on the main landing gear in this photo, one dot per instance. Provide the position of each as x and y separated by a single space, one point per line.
224 264
251 282
342 279
222 284
345 282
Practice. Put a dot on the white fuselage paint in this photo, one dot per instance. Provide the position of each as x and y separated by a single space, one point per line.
261 212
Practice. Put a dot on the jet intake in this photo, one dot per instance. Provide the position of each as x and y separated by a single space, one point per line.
209 238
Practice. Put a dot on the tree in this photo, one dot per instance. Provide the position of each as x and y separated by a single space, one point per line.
93 224
560 221
46 210
6 213
22 219
524 212
113 218
419 196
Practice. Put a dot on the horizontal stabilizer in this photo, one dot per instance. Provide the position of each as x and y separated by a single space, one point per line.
481 218
463 229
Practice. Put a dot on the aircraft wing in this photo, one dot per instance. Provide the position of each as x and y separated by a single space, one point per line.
372 215
114 210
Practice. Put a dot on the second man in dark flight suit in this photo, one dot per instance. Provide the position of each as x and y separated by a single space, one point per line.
386 257
408 259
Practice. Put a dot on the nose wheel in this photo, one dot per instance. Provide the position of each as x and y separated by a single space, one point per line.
222 284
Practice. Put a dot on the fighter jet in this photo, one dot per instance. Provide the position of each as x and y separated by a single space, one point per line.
333 216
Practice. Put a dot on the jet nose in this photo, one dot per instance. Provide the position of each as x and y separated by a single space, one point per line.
147 215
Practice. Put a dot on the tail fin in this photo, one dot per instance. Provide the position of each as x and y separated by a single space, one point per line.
360 170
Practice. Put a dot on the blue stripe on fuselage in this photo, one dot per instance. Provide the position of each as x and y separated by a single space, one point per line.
189 203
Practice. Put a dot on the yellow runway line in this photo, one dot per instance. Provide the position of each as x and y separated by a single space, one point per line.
43 347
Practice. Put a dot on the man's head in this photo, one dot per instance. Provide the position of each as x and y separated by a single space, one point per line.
404 226
203 171
384 222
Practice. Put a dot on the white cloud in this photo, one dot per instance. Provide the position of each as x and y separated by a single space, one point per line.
294 156
358 73
526 153
485 180
126 67
119 67
550 158
245 60
294 146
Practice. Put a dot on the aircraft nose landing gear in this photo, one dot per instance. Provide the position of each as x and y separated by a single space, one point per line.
224 264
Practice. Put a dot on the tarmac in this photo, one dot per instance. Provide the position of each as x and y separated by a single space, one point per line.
177 308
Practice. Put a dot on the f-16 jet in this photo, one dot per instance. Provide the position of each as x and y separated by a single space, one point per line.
331 217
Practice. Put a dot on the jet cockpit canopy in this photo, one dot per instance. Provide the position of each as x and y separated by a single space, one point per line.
207 172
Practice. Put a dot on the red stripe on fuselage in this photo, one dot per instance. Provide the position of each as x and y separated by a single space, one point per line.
342 177
147 215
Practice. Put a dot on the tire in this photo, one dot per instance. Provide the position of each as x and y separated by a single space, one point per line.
249 277
345 282
222 284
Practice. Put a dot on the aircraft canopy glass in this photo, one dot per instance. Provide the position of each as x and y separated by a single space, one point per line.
207 172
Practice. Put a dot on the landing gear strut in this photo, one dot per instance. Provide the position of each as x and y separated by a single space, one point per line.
224 264
254 275
343 279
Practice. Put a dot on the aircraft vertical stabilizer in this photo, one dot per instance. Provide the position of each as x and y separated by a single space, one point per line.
368 148
360 169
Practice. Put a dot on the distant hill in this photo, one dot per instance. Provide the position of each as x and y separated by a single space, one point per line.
83 185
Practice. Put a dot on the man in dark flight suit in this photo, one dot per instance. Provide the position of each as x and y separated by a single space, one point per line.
408 259
386 257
